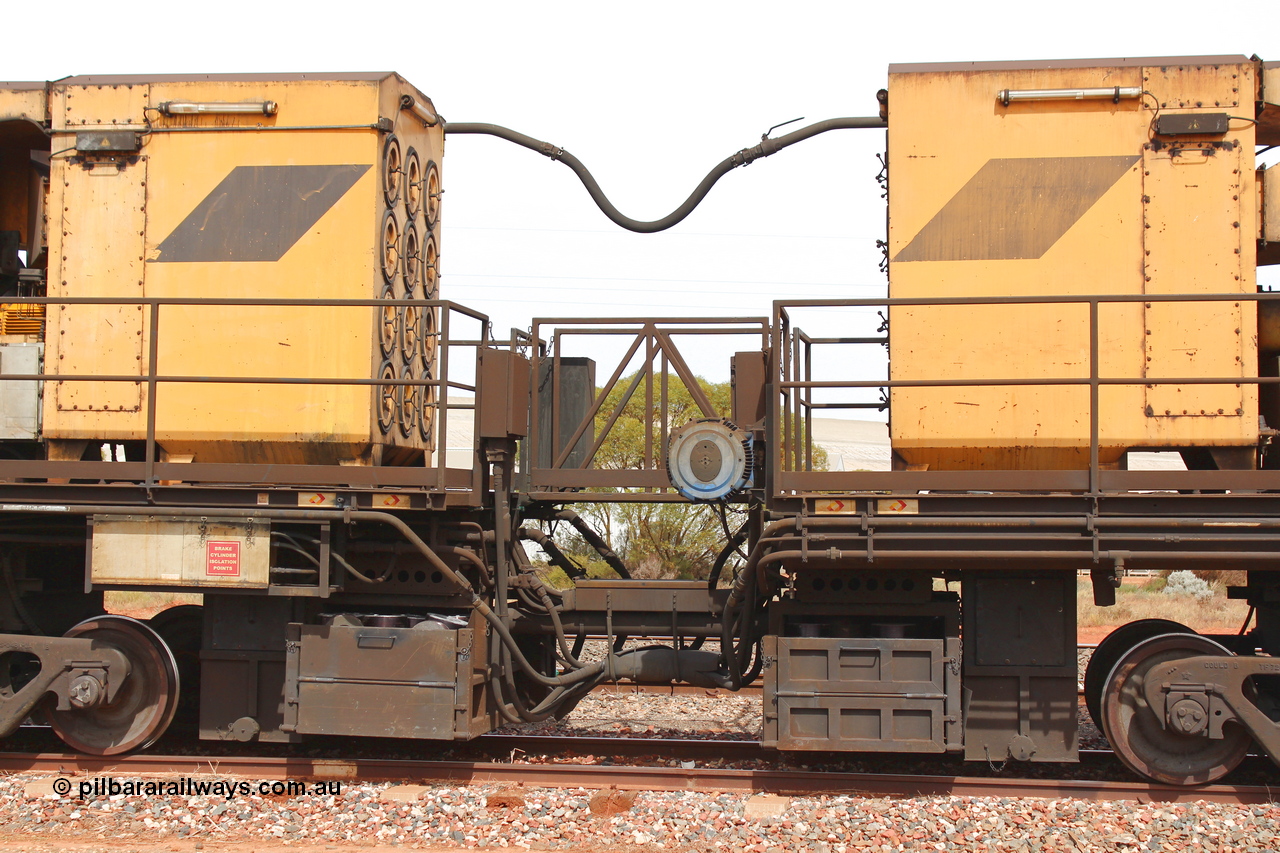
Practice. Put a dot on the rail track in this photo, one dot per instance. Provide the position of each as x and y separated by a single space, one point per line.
628 777
554 762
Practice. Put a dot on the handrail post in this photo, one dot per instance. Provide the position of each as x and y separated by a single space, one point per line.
153 350
442 403
1094 476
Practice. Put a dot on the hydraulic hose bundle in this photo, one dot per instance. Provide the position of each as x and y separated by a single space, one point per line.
744 157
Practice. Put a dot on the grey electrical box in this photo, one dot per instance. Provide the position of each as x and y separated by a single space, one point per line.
20 398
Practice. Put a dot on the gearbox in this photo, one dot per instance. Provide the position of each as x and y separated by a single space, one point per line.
709 459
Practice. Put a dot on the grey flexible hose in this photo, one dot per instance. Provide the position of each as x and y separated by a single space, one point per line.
766 147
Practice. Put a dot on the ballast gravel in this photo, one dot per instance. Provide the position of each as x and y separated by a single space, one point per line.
587 820
591 821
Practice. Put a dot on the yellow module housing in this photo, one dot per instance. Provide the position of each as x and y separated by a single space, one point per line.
1072 178
291 187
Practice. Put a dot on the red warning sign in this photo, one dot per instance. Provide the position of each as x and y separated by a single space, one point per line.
222 559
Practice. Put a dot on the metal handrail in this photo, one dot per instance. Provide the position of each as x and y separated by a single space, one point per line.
792 390
280 472
655 334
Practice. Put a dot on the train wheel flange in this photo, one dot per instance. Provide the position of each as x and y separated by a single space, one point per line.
144 703
1136 733
1113 647
182 628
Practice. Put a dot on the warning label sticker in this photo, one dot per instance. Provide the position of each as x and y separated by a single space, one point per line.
222 558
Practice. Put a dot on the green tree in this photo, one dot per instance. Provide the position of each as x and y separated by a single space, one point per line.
674 540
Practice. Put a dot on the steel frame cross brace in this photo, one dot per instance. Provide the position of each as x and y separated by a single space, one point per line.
95 671
1213 685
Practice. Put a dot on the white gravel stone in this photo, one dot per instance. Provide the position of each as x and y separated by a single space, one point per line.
448 817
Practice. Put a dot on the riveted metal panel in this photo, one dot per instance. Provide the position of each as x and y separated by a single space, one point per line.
1193 241
210 552
96 105
1045 197
1195 85
221 206
97 221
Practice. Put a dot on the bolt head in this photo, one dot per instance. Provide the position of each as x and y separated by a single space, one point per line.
85 691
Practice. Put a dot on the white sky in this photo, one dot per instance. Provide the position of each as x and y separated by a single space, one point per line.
649 96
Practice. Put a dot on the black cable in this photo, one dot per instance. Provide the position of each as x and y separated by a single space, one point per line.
744 157
595 541
1248 616
730 548
554 554
757 666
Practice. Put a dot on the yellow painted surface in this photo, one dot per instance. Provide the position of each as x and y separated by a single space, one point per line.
950 140
21 189
96 225
117 224
24 103
1269 181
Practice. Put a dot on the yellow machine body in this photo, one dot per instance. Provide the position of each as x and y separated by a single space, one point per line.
1067 196
320 194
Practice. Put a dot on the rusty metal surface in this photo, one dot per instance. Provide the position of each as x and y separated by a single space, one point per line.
647 389
1122 62
335 675
634 778
152 469
789 476
860 694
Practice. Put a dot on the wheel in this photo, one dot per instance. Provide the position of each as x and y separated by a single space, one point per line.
1135 732
143 706
182 628
1111 649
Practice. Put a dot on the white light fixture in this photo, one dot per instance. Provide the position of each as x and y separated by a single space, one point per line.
186 108
1113 93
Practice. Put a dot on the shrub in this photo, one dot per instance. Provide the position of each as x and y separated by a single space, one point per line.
1187 583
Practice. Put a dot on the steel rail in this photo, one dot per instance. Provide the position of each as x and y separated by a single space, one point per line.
796 782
